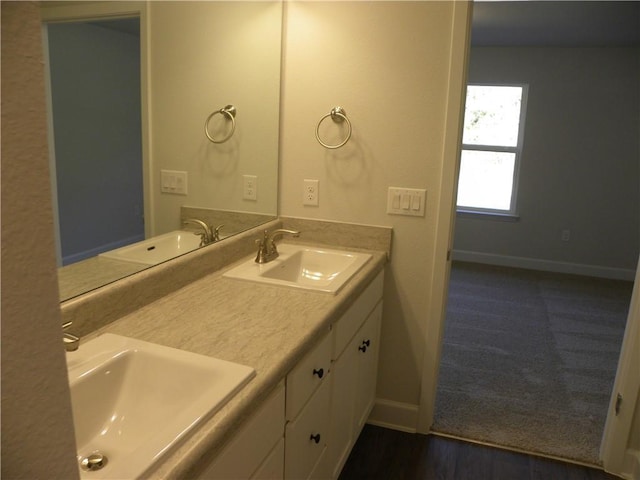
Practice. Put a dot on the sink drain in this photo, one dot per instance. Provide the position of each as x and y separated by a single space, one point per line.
93 462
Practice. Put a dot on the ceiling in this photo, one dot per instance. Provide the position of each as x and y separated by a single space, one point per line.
556 23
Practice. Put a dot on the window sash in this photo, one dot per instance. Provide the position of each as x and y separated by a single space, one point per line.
517 150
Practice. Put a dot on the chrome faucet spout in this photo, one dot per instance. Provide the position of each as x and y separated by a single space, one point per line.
207 235
267 249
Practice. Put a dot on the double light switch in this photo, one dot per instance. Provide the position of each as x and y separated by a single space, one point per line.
406 201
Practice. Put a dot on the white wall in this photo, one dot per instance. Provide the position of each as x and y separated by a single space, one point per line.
387 64
580 163
203 56
37 429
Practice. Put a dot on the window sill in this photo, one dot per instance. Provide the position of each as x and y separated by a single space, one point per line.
501 217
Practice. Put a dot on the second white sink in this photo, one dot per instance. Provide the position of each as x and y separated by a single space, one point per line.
299 266
133 401
156 249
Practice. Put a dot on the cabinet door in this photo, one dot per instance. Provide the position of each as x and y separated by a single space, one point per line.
306 436
343 397
367 350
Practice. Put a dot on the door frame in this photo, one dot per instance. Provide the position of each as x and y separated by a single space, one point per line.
445 223
615 453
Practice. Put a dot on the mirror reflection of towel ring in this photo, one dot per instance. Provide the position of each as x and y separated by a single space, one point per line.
228 111
338 115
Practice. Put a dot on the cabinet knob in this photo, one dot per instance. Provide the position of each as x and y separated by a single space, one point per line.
319 372
365 344
315 438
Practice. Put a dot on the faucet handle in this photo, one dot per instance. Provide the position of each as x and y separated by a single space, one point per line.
215 234
71 342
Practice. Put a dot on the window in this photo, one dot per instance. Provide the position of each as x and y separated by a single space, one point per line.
491 148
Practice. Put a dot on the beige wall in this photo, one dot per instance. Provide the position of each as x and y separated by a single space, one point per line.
37 430
203 56
387 64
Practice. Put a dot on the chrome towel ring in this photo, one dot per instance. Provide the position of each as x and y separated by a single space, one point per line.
228 111
338 115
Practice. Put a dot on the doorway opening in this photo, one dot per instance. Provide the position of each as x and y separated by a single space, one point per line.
96 135
550 281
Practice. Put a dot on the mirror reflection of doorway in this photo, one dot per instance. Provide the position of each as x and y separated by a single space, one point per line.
95 112
551 281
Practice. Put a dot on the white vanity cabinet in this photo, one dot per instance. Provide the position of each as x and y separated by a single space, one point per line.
354 372
308 426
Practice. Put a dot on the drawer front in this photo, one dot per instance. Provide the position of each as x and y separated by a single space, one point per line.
307 376
351 321
249 447
306 437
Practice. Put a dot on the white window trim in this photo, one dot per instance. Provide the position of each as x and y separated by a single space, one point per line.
513 211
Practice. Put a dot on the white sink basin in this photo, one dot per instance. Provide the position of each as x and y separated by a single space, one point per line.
299 266
133 401
156 249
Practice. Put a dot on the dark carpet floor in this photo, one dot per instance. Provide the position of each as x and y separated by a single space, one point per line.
529 359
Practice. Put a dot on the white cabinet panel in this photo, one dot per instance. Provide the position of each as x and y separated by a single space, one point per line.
256 439
368 348
273 467
353 318
307 375
306 436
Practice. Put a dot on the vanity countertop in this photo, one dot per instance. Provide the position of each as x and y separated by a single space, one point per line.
269 328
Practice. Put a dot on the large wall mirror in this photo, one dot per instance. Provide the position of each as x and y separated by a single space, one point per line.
130 87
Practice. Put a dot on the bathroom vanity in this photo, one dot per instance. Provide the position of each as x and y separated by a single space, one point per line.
315 358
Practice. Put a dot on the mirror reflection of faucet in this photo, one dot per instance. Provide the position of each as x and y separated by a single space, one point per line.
208 235
71 342
267 250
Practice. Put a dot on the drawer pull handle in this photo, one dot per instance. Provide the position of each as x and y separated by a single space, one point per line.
365 344
315 438
319 372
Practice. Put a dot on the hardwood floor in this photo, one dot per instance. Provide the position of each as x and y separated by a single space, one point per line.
386 454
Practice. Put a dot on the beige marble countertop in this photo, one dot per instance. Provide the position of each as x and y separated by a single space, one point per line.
269 328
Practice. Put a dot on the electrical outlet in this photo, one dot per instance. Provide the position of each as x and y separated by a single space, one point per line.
565 235
310 193
250 189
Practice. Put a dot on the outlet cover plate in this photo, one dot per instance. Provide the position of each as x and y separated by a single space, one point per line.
310 193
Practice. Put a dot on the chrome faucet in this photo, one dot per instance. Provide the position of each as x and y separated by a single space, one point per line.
208 234
71 342
267 250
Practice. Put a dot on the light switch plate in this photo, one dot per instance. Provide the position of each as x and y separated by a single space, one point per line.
173 181
406 201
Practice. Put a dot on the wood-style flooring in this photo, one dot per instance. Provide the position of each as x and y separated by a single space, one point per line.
386 454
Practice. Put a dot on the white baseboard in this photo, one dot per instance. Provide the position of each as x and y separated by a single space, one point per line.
545 265
394 415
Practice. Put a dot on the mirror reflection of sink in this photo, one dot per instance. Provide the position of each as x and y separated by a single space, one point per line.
156 249
299 266
133 401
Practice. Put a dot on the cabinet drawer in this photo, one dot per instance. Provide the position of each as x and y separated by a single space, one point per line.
351 321
308 375
249 447
306 436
